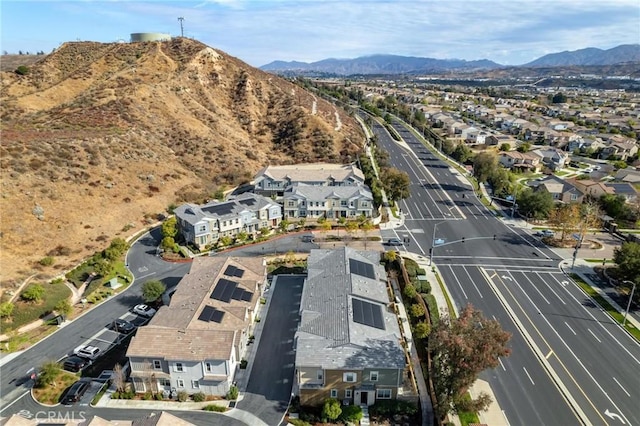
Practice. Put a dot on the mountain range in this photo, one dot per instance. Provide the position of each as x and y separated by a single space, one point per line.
394 64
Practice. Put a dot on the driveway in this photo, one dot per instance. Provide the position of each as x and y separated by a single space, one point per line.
269 387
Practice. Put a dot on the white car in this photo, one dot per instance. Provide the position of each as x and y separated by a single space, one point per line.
545 233
87 352
144 310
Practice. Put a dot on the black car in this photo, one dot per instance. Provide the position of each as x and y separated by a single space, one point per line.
75 392
122 326
75 363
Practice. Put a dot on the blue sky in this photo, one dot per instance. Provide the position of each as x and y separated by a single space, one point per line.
509 32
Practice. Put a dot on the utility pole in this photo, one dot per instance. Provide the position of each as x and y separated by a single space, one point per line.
181 19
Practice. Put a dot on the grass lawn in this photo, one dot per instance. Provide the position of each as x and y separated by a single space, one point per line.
22 341
26 312
51 394
606 306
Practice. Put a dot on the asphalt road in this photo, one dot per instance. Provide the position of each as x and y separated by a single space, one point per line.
565 351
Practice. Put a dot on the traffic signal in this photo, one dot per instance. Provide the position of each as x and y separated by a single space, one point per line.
494 236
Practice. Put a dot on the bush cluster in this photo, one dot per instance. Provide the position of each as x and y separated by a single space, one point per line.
214 407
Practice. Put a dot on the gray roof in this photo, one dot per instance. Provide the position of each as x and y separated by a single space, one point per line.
315 192
327 336
312 172
214 210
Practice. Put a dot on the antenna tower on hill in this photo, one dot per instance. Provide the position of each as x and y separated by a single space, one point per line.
181 19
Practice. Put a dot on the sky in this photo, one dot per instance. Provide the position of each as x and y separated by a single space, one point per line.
509 32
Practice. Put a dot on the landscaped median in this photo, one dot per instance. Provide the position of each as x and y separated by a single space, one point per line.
613 312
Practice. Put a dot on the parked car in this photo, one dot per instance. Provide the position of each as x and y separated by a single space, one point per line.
544 233
87 351
122 326
394 242
75 392
144 310
75 363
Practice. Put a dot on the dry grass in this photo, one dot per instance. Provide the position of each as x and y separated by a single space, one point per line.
103 137
51 394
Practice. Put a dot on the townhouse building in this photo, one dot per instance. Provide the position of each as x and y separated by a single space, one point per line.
203 225
195 343
331 202
272 181
519 160
348 342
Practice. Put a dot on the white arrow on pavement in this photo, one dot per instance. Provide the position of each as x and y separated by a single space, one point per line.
564 283
504 277
613 416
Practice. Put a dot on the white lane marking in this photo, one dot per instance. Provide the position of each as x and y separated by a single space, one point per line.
474 282
505 418
458 281
594 336
560 299
621 387
525 370
536 289
501 364
569 327
145 276
549 355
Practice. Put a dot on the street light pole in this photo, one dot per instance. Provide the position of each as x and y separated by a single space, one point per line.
624 321
433 242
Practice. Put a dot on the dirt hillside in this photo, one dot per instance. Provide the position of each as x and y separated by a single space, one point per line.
98 139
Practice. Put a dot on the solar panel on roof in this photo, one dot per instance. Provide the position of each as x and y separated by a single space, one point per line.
230 271
237 294
217 291
239 272
217 316
229 288
219 209
207 313
246 296
361 268
368 314
247 201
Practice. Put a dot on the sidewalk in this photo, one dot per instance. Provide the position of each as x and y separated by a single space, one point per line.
493 416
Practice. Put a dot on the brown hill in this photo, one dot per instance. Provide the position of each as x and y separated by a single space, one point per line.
99 138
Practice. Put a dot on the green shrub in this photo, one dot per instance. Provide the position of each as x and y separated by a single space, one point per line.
214 407
420 271
22 70
115 395
331 409
233 393
411 267
159 396
409 291
243 364
351 413
33 293
198 397
147 396
47 374
423 286
432 305
6 309
298 422
47 261
183 396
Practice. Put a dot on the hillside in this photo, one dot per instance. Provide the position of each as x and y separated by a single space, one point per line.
98 139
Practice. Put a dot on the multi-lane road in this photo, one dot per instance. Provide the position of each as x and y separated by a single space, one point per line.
570 363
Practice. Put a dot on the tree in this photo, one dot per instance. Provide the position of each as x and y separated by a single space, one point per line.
22 70
170 227
224 241
505 147
395 183
168 244
614 205
47 374
390 256
6 309
352 227
565 217
416 310
331 409
500 181
422 330
559 98
462 153
152 290
63 308
409 291
119 378
284 225
116 249
525 147
627 257
484 164
33 293
365 227
461 349
535 204
102 267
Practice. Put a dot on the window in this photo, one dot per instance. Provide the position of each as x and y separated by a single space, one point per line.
574 197
291 203
320 375
349 377
343 203
334 393
178 367
224 223
195 384
202 228
180 383
236 221
347 393
373 376
208 367
383 394
164 382
157 365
